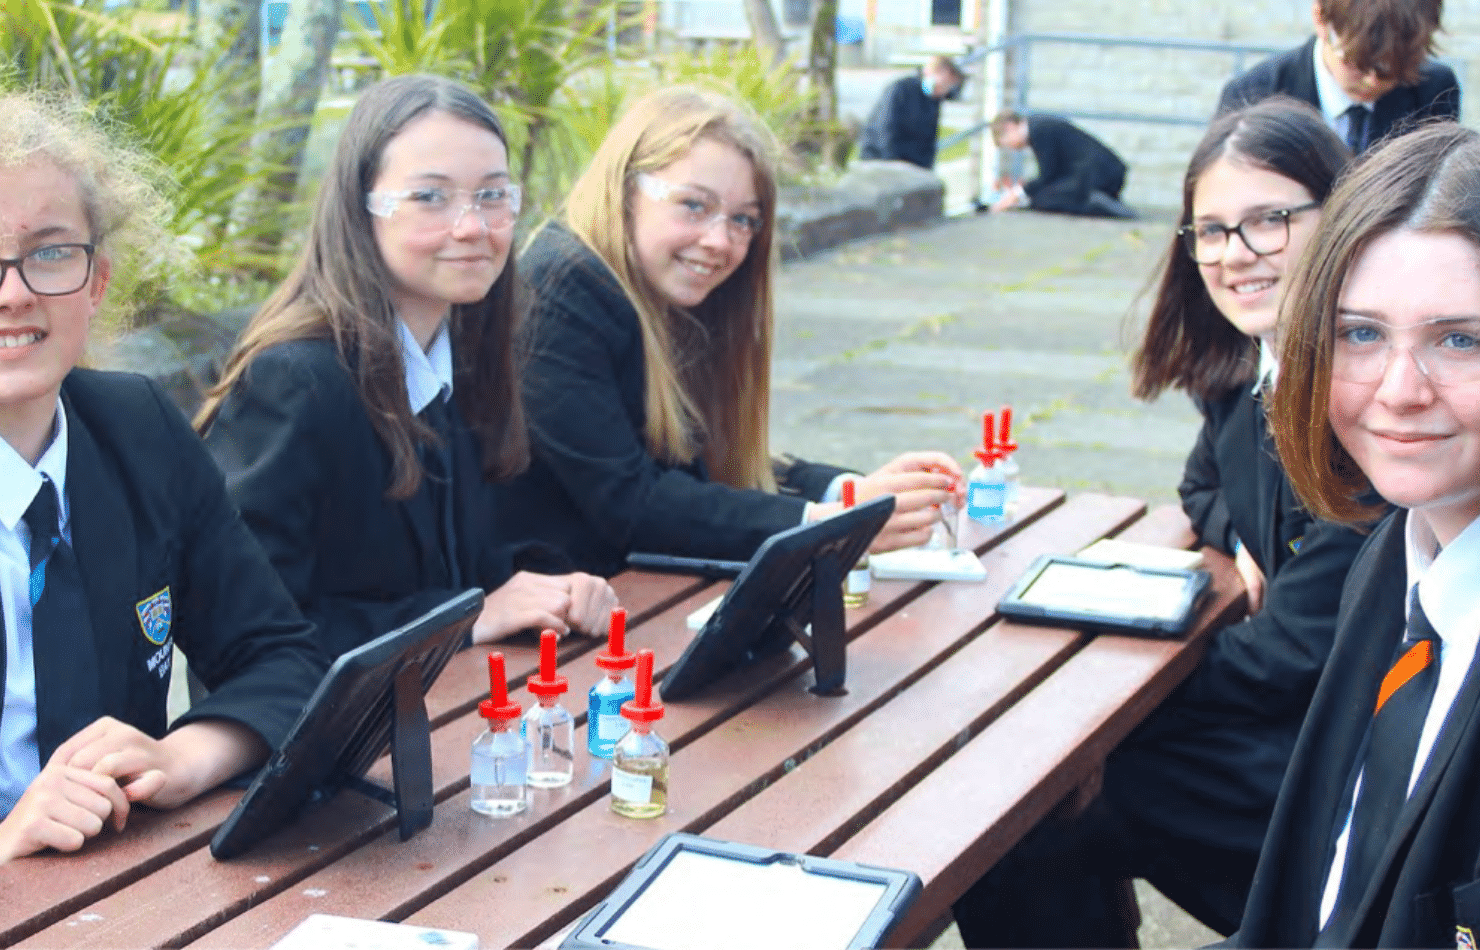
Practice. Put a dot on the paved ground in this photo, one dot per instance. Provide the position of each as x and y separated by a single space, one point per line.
901 341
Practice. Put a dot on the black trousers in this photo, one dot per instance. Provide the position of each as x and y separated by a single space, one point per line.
1066 883
1075 194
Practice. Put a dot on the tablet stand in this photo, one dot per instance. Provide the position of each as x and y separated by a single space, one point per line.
827 644
411 756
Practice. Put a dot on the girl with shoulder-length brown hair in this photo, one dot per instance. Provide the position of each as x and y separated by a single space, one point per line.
1186 798
648 388
371 402
1374 841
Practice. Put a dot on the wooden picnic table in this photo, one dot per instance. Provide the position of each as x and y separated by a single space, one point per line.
957 733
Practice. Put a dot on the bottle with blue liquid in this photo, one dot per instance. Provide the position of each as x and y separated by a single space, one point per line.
605 724
1011 473
986 488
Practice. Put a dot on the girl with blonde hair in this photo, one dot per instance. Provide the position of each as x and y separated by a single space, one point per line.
648 387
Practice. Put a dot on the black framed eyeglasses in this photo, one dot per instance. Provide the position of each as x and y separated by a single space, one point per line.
1266 232
52 270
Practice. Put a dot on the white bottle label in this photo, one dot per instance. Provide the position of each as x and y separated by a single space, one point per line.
611 726
984 500
631 787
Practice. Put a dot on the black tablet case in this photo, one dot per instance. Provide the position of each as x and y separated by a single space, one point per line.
900 888
1196 586
795 578
368 694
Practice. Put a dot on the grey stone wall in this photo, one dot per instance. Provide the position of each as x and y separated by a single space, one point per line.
1181 83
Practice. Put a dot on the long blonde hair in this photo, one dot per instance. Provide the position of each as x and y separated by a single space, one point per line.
708 368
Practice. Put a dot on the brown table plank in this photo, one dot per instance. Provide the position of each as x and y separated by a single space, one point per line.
43 889
953 826
133 915
684 722
540 888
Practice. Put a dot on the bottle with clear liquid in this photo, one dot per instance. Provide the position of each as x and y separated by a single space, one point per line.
548 727
500 754
860 577
604 722
1011 473
640 760
986 490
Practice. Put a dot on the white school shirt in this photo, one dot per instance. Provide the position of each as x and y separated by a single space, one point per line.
1335 101
428 372
1446 582
20 758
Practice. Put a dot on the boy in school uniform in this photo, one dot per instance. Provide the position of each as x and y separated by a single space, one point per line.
1367 69
1077 173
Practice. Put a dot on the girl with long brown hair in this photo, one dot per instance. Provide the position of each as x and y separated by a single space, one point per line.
648 388
373 400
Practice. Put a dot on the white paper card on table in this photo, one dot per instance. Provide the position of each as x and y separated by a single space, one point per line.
928 564
1153 556
700 617
328 932
700 902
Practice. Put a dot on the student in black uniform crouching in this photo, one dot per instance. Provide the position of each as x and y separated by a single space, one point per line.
373 400
1375 840
117 539
1186 797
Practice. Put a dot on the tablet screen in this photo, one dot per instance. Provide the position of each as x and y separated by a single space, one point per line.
1113 592
708 902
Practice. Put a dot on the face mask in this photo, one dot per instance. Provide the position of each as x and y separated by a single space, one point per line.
928 84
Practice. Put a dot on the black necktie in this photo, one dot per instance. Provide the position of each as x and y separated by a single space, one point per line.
438 466
1403 703
61 631
1357 118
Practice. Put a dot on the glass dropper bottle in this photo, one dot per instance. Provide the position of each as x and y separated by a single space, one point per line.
640 761
548 727
500 756
604 722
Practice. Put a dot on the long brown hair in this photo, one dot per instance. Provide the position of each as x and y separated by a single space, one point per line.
708 369
1188 344
1429 181
338 291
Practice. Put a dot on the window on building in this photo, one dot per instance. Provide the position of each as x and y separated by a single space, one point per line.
796 12
945 12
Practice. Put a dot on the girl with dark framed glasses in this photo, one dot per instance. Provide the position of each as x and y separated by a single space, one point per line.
1186 798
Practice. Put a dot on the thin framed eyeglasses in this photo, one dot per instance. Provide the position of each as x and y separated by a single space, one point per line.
1264 233
433 207
1445 349
699 210
52 270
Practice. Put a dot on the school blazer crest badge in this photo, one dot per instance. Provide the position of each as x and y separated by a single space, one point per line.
154 616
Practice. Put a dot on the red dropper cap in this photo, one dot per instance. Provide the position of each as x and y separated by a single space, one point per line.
850 494
1006 446
547 683
615 656
988 453
641 708
498 705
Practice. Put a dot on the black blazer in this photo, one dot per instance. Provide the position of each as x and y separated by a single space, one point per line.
1429 881
1207 764
593 489
903 124
309 474
1064 153
149 514
1293 73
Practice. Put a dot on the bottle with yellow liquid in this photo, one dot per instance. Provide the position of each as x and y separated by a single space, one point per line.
640 760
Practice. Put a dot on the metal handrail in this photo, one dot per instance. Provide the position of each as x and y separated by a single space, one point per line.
1023 44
